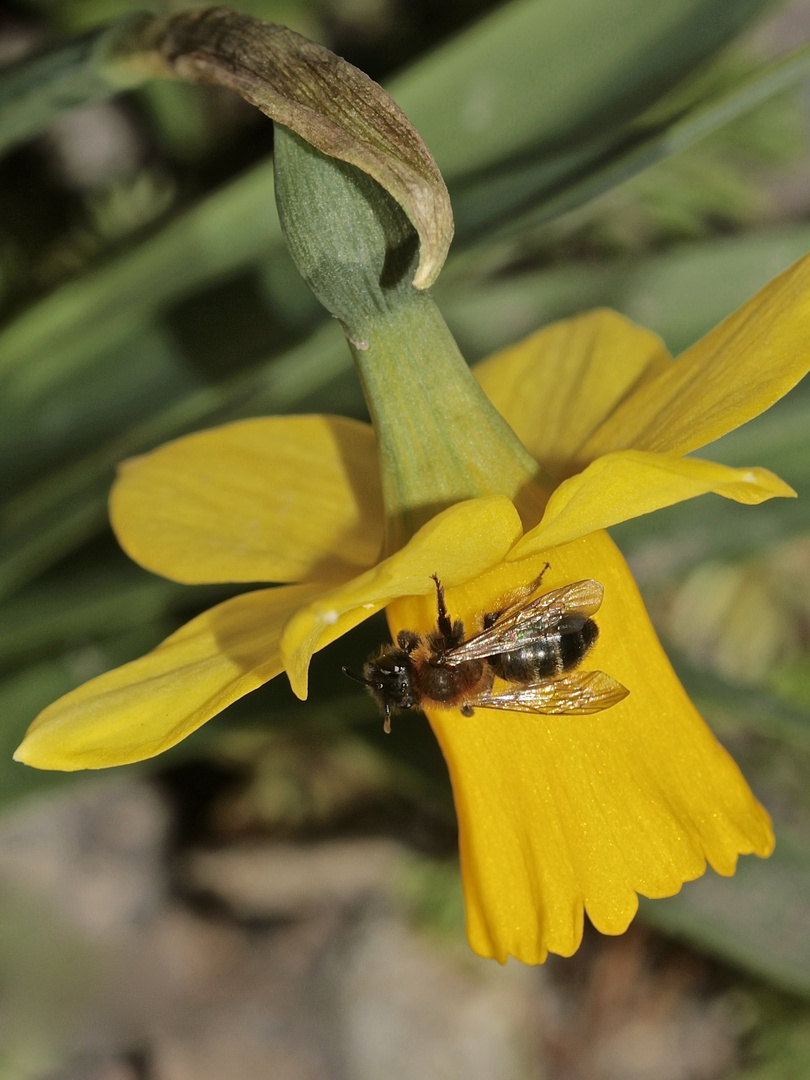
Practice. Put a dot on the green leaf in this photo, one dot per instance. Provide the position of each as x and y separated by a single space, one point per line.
547 75
81 326
35 90
747 710
68 507
89 405
790 682
546 185
756 920
93 314
680 295
112 598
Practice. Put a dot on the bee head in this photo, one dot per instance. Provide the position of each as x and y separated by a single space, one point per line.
389 677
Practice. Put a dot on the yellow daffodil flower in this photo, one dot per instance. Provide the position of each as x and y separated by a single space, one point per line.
557 815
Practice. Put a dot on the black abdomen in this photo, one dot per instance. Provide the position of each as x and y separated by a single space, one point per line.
549 655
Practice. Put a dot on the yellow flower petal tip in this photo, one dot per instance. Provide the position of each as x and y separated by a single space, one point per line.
565 815
629 483
147 706
731 375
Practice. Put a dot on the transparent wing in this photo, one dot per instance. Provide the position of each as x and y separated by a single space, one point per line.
577 692
530 620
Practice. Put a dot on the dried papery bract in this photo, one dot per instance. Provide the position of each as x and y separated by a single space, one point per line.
326 101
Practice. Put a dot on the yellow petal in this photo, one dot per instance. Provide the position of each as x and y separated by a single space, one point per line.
732 374
630 483
556 387
283 498
562 815
458 544
143 708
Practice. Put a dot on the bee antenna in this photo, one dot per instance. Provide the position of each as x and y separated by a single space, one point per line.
357 678
373 685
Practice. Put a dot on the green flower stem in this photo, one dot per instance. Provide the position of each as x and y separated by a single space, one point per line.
439 439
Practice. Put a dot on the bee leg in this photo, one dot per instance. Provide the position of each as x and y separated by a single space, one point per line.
492 616
408 640
451 632
542 575
467 710
445 626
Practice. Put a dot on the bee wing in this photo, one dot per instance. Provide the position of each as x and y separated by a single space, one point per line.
529 620
578 692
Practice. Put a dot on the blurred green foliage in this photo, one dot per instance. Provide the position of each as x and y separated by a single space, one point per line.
617 152
779 1045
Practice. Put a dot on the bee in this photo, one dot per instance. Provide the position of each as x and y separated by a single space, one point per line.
534 645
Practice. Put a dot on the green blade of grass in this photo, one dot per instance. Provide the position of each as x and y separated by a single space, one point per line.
540 76
86 317
540 188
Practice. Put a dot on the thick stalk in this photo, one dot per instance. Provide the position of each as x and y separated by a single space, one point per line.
440 440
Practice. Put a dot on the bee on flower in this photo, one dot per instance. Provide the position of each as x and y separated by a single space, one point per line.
482 484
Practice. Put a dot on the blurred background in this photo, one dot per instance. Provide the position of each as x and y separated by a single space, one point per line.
279 896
